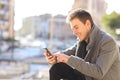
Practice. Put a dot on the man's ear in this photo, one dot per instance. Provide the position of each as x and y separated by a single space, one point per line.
88 23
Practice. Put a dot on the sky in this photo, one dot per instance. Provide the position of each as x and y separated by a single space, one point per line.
26 8
113 5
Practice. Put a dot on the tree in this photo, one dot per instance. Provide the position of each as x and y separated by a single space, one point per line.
111 22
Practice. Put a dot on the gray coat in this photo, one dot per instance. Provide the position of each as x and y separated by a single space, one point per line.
102 61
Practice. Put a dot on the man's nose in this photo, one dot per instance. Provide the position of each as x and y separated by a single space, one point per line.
74 31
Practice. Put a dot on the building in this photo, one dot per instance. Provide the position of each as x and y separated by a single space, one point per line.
6 18
46 26
30 26
60 29
36 26
80 3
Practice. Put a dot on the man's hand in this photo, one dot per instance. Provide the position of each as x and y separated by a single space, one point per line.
51 59
61 57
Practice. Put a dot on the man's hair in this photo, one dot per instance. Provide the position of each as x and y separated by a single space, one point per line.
80 14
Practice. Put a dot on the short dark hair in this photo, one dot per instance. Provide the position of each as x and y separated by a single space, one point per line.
80 14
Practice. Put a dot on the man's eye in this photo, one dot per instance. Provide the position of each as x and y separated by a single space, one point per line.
76 27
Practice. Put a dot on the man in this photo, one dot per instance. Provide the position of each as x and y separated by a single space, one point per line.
94 57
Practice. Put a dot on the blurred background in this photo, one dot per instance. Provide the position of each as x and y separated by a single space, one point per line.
28 26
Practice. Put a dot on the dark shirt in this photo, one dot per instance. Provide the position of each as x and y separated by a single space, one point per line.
81 52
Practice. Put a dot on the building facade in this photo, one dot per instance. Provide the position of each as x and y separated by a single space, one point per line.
6 18
46 26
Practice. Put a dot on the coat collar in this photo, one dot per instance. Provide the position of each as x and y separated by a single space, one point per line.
92 37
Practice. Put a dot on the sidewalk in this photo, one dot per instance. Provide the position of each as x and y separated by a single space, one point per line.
43 74
12 69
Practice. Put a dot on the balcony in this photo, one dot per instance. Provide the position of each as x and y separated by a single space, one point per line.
4 2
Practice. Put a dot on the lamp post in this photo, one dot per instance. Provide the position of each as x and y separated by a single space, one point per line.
11 26
0 37
51 32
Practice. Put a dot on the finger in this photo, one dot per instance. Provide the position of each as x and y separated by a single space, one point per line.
52 61
50 57
45 54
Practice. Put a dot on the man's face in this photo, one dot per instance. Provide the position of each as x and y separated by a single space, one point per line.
79 29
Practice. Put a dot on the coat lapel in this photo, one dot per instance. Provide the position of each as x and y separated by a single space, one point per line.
92 47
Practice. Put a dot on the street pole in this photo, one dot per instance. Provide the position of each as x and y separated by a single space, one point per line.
51 33
0 38
11 26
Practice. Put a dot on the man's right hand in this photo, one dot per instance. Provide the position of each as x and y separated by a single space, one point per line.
50 59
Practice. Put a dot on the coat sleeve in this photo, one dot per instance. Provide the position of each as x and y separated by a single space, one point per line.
107 54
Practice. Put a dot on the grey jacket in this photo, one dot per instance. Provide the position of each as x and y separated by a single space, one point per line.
102 61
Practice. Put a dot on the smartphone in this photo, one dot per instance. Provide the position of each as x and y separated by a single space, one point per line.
47 51
49 54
